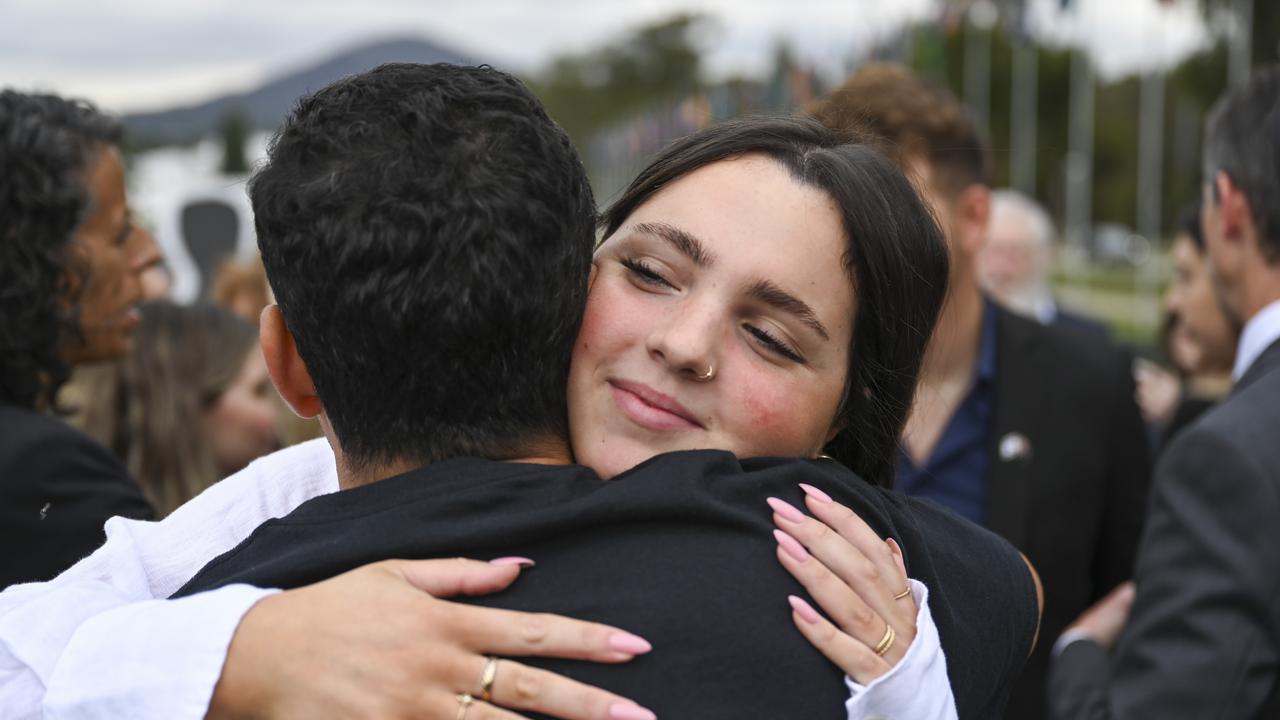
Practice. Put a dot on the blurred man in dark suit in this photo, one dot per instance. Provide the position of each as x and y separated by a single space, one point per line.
1029 429
1203 640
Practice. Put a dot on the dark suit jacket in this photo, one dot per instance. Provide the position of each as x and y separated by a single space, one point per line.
1203 640
1069 473
1081 324
57 488
679 550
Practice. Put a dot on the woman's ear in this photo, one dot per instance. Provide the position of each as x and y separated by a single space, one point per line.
288 373
837 426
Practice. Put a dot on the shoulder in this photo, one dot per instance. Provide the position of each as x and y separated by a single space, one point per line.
35 447
1232 443
1092 369
1062 346
966 544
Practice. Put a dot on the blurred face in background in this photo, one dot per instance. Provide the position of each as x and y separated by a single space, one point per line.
1013 265
108 285
157 282
241 424
1204 339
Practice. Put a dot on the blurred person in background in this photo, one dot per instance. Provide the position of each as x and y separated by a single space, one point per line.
157 279
240 285
1197 634
1198 338
1015 263
1029 429
190 404
70 263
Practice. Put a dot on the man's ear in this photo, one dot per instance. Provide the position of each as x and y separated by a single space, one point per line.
1233 208
285 366
973 215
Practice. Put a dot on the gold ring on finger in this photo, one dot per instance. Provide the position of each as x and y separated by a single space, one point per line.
487 677
905 592
464 703
885 642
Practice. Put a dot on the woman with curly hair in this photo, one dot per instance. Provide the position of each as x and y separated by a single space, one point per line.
70 261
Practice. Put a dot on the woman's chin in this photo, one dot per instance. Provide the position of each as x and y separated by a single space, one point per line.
612 458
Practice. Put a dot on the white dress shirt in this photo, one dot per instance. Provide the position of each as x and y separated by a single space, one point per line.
1258 334
98 642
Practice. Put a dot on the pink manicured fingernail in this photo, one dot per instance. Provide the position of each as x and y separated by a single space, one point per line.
630 644
791 546
786 510
630 711
803 609
897 554
523 562
815 493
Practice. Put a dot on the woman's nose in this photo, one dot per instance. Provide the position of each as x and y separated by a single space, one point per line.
685 342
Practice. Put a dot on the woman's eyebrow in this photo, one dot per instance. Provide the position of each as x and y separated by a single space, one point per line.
681 240
770 294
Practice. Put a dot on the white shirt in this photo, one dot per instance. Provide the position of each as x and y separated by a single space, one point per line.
1259 333
96 642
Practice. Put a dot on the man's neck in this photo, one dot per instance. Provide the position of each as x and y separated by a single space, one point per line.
542 453
953 350
1261 288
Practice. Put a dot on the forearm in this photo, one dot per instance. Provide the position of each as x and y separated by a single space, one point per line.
155 659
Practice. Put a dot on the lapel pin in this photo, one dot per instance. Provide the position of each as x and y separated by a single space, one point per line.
1015 446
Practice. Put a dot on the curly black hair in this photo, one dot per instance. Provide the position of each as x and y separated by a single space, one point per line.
427 231
45 145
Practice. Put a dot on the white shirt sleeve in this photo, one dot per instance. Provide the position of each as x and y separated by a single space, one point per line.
917 688
75 646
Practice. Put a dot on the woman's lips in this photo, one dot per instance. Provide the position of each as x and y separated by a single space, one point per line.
651 409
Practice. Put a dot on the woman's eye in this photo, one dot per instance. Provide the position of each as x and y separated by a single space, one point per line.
775 345
644 273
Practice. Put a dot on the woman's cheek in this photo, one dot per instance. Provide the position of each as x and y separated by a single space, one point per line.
608 317
773 419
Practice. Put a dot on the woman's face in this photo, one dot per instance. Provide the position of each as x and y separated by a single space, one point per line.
241 425
110 291
1207 340
733 271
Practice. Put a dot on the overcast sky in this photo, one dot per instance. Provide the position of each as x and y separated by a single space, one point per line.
144 54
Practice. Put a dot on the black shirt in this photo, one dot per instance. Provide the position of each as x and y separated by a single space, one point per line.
58 487
678 550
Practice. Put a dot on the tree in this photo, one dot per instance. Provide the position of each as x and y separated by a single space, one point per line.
656 63
234 136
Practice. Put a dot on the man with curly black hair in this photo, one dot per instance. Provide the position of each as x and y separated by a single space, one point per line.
70 261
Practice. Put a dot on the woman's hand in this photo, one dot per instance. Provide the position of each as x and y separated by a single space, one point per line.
858 580
376 642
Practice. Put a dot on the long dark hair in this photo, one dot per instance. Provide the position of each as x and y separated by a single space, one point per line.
46 143
896 260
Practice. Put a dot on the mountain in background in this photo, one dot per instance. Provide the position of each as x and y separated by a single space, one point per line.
266 107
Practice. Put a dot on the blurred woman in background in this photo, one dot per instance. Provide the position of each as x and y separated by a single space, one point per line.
190 404
1198 339
70 267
